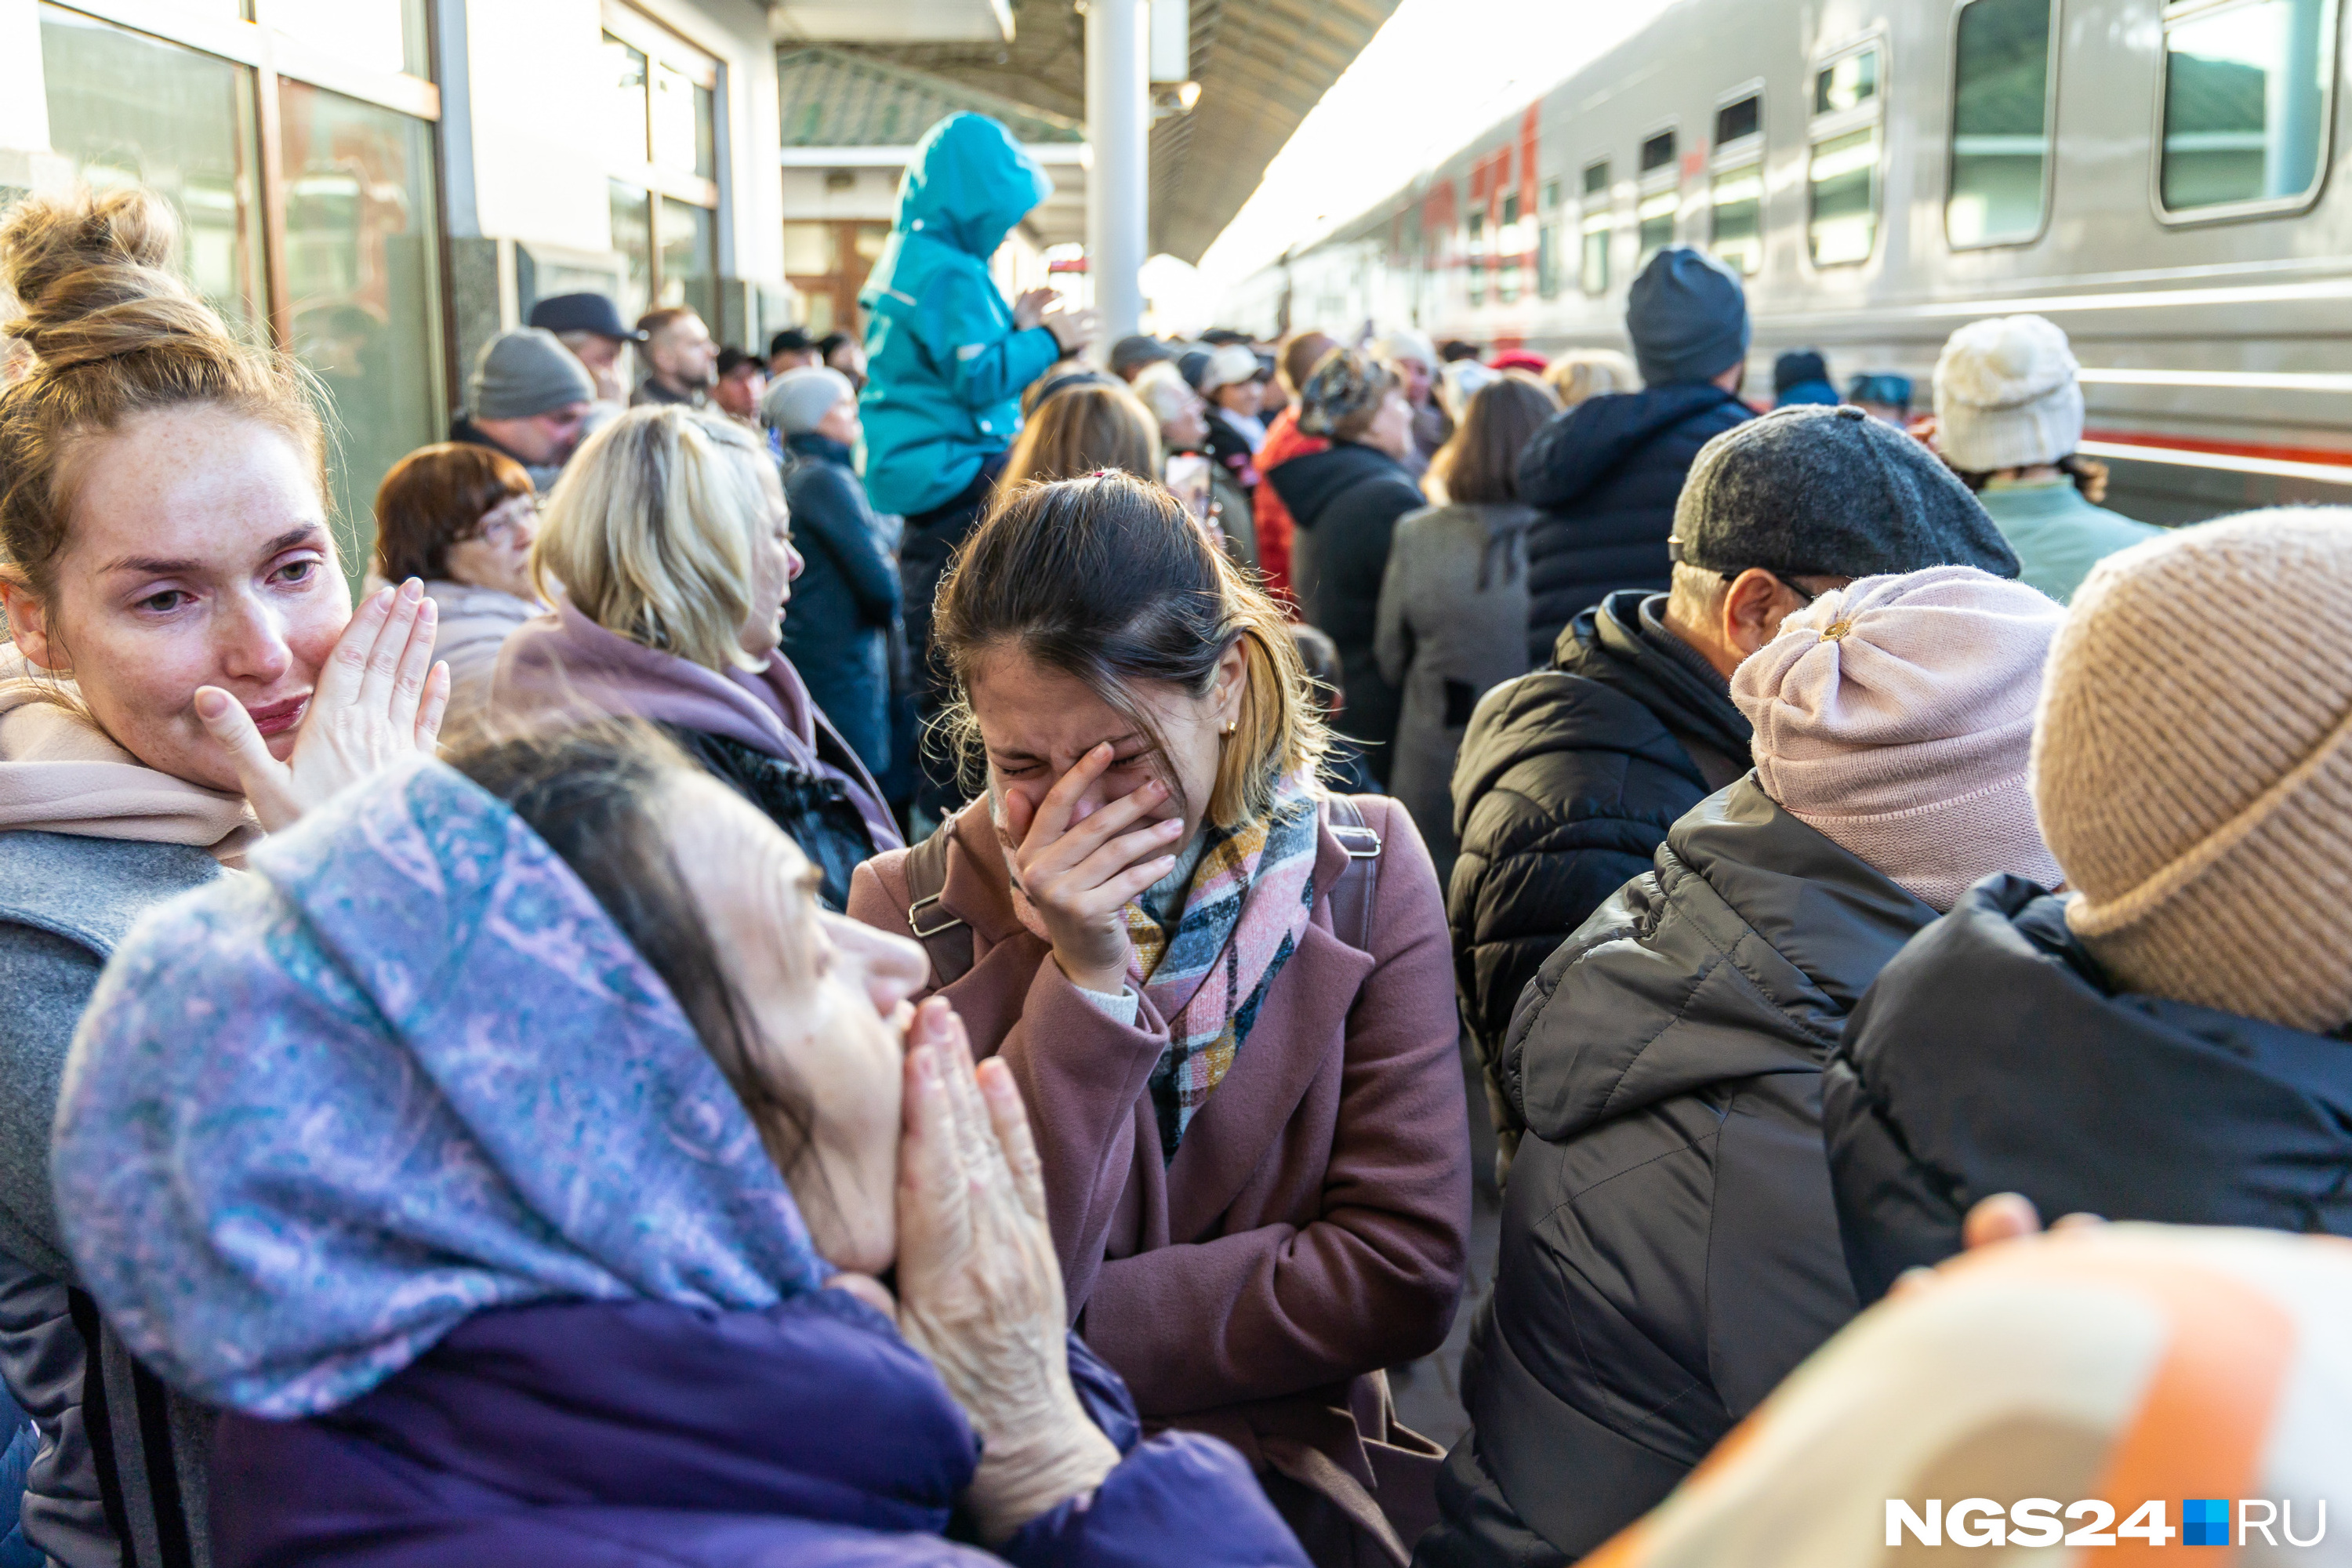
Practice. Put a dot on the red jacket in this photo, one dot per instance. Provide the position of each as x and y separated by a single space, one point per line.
1282 442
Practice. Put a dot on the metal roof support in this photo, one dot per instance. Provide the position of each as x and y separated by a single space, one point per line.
1118 184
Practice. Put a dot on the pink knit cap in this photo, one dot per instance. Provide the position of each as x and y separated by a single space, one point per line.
1894 718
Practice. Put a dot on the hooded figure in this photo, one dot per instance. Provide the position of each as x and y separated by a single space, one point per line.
945 366
458 1220
1670 1249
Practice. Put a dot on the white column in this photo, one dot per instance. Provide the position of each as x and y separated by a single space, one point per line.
1118 185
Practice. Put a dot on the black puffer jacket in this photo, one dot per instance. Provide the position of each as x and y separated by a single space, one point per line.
1567 782
1346 502
1606 475
1670 1250
1993 1055
815 811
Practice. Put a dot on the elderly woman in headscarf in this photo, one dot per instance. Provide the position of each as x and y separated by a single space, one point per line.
528 1196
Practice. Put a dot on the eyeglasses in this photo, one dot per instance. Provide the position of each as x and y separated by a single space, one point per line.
500 523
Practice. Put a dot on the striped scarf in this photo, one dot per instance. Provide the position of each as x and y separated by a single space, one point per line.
1247 906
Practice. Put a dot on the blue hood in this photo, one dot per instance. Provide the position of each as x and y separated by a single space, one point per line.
969 182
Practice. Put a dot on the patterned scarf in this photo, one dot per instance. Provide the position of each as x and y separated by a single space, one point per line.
1247 906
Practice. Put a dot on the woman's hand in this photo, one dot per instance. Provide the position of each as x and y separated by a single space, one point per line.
980 1288
379 699
1029 309
1080 876
1074 329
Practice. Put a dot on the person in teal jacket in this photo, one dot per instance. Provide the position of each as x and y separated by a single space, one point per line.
947 360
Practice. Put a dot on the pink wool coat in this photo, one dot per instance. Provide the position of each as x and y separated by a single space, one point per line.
1312 1228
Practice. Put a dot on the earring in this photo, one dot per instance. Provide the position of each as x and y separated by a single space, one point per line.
1231 726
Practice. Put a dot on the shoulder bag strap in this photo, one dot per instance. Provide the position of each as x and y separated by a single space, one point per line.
1353 896
945 937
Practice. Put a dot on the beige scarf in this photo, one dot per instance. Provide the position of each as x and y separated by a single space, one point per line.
61 773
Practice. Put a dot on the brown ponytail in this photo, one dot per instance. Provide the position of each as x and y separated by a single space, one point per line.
112 335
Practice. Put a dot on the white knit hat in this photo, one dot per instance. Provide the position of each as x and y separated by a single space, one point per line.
1895 717
797 400
2006 396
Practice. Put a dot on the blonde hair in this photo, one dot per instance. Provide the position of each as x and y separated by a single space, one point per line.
1580 374
113 335
1105 579
651 530
1085 429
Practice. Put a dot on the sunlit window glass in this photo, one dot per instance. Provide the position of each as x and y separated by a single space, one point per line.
1847 84
676 135
2000 139
1842 177
1735 200
1656 217
632 236
382 35
131 109
361 251
2245 102
626 113
688 247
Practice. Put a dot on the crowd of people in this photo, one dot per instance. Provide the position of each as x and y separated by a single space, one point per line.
865 954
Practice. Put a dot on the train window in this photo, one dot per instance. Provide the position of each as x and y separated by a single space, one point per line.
1735 199
1846 84
2246 89
1841 168
1477 269
2000 122
1658 151
1592 258
1656 219
1737 121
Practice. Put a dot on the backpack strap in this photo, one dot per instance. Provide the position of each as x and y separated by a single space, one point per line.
944 936
1356 892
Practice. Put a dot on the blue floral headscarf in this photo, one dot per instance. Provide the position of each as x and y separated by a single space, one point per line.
408 1069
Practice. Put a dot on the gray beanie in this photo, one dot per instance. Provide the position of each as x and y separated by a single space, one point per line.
797 399
1687 316
527 372
1815 492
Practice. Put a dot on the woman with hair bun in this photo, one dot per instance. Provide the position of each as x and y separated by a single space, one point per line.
184 674
1225 994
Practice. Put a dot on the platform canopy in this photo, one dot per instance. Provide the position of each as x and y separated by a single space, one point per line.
1260 66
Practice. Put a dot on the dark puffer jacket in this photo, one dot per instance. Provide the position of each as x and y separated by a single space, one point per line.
1994 1055
1566 785
1345 503
1606 475
1670 1250
845 600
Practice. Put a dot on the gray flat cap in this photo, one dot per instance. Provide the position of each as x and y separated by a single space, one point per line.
1815 492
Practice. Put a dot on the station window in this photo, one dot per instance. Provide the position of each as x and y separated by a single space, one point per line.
1739 121
1593 259
2000 122
1841 171
663 164
2246 91
1735 200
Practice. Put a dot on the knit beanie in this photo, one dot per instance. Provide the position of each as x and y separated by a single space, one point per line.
1229 366
797 399
2192 770
527 372
1687 316
1894 717
2007 397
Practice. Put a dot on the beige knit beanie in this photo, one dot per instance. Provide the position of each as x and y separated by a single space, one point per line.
2192 765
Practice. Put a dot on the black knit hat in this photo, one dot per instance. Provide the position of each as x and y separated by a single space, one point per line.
1813 491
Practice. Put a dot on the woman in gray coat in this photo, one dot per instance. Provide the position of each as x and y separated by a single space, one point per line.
1454 604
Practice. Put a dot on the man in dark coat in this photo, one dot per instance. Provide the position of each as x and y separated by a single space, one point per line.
1569 777
845 600
1345 502
1605 474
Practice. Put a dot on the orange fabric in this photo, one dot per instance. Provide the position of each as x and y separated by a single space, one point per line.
1284 441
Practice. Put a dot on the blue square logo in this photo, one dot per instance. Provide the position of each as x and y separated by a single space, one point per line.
2205 1521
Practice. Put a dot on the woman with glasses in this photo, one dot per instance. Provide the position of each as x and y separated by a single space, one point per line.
463 519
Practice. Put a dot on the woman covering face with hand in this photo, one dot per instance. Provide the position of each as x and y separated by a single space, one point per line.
561 1101
184 673
1226 997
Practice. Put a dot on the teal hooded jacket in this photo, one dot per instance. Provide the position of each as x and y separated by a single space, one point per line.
945 363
